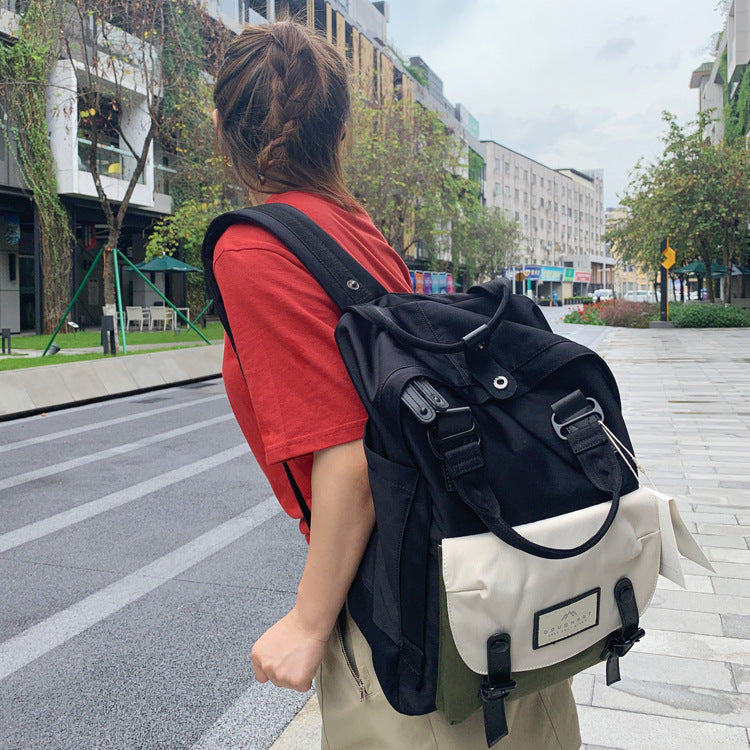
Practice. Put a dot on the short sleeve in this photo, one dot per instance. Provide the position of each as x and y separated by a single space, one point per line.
283 326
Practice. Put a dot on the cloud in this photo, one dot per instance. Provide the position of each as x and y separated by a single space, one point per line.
615 48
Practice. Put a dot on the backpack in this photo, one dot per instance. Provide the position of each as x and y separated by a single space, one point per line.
513 544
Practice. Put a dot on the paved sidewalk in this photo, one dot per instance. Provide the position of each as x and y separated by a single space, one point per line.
686 686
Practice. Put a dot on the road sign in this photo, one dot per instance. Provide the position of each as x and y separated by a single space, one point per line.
667 255
520 276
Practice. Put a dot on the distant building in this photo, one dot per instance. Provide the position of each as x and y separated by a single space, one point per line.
561 216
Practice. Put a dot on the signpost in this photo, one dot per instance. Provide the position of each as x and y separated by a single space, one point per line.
667 261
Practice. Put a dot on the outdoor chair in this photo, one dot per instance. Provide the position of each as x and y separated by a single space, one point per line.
159 314
134 315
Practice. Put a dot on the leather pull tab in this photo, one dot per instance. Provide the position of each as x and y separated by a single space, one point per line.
613 669
496 688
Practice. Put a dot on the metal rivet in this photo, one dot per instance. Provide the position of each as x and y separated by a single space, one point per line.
353 284
500 382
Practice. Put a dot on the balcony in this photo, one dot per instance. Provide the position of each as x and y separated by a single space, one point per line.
110 161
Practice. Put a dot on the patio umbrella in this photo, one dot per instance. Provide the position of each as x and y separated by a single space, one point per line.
699 269
166 263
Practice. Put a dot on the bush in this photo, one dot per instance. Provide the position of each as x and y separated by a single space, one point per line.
587 315
626 314
706 315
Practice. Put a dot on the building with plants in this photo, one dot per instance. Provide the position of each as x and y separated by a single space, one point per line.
724 83
120 140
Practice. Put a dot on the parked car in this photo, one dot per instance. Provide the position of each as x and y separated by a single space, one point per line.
600 295
640 295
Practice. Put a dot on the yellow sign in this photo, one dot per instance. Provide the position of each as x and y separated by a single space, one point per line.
668 257
520 276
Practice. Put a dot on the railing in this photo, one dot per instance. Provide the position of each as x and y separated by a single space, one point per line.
110 161
163 179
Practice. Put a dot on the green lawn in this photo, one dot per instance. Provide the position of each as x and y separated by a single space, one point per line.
19 362
92 338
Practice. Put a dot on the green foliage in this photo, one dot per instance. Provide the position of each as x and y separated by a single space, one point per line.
696 194
183 231
417 73
405 168
25 66
737 111
484 241
590 315
706 315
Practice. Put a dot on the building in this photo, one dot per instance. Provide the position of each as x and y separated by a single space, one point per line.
718 82
561 216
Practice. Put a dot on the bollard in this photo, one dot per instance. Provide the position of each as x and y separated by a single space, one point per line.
6 337
108 334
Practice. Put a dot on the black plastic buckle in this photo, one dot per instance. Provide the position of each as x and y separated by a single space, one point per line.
441 437
593 415
488 692
619 645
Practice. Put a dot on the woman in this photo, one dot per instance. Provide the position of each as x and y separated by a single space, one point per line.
282 100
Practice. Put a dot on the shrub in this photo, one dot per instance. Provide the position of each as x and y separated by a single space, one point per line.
706 315
587 315
626 314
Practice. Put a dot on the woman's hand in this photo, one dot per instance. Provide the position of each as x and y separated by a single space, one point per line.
289 653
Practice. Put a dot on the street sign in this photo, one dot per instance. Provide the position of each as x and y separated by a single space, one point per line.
667 255
520 276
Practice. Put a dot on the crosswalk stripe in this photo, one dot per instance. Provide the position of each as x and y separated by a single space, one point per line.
106 423
38 529
38 640
117 450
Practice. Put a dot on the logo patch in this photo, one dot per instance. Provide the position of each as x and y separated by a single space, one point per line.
566 619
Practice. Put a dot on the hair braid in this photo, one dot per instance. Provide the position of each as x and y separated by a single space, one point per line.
282 97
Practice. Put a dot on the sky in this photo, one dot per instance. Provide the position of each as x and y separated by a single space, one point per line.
570 83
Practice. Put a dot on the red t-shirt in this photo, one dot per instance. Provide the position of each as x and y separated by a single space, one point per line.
298 398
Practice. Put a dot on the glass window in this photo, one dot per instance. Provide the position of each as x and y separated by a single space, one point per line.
506 191
507 167
516 194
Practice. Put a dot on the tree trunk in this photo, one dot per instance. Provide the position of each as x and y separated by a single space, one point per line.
108 273
706 258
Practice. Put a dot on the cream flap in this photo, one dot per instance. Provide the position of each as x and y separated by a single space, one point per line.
561 606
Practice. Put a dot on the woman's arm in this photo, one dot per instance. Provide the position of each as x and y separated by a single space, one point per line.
289 653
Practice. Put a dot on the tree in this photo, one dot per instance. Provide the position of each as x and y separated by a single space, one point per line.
406 169
136 68
485 242
25 65
696 194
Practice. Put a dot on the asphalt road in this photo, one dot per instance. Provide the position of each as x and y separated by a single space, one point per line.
141 554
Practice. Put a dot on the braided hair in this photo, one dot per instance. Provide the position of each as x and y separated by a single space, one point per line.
282 101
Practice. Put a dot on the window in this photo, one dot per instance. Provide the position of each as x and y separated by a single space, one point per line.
533 221
516 194
517 216
541 181
533 201
507 167
541 223
506 191
525 220
541 203
533 179
525 197
497 188
555 206
515 172
525 175
497 165
570 212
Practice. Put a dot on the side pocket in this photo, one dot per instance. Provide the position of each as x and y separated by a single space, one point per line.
343 638
393 489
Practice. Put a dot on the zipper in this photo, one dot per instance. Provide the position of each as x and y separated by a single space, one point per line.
357 679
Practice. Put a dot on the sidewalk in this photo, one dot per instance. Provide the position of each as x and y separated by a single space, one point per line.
686 686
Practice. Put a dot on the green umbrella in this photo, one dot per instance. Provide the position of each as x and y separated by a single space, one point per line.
166 263
699 269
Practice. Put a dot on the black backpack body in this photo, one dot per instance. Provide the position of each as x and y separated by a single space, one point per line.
480 419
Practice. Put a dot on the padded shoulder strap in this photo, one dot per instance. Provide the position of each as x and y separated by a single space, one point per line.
344 280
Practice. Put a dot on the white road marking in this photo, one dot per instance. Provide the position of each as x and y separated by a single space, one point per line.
40 639
38 529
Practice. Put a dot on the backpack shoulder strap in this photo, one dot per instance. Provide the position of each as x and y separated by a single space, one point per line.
344 280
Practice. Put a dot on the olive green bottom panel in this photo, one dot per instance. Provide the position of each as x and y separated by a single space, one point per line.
458 686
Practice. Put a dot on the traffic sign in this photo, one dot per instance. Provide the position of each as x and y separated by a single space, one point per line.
520 276
667 254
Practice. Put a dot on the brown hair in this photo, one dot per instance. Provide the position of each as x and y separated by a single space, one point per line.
282 98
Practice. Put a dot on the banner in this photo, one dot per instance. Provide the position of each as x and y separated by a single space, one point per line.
449 288
551 273
532 272
428 282
569 274
582 277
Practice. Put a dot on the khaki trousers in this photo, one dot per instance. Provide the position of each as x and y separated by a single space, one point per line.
357 716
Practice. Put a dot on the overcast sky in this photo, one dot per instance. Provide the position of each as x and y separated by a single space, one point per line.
570 83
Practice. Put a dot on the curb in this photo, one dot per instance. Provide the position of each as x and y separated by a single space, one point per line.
303 731
38 389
